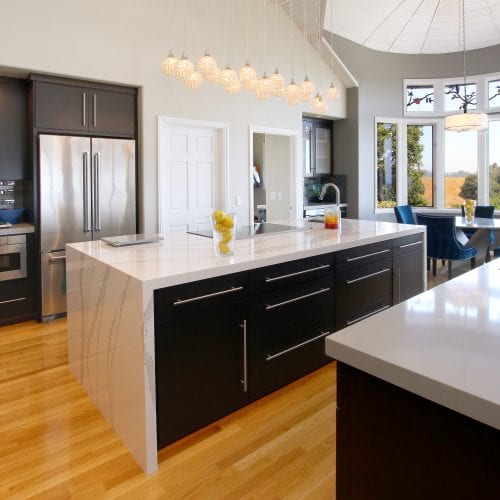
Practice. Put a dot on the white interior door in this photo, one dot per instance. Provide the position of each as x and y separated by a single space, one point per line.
189 177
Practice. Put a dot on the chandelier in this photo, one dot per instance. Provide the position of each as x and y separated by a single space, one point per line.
462 122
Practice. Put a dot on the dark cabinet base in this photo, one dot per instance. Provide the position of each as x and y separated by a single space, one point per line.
392 444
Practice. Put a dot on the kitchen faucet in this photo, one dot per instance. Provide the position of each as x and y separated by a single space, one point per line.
337 192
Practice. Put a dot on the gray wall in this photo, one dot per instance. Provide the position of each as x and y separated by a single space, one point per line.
380 76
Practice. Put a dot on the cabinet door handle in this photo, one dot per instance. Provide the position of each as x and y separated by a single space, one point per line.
352 259
52 260
270 357
350 282
380 309
20 299
411 244
94 110
284 276
178 302
84 109
244 381
295 299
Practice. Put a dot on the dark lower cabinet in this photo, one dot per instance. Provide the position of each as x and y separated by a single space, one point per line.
287 331
201 371
408 267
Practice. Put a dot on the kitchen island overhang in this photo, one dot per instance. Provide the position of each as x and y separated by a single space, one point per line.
110 291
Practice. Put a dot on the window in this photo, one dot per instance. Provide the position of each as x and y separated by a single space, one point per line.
494 94
494 162
459 95
387 163
420 98
420 165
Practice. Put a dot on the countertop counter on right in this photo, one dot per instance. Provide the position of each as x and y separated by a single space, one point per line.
443 344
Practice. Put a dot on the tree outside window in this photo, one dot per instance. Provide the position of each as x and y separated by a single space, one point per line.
386 165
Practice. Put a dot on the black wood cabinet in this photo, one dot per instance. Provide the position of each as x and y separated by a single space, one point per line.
13 129
317 145
408 267
78 108
17 295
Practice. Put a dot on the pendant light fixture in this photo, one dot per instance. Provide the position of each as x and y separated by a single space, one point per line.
169 65
318 105
465 121
229 78
277 80
194 80
207 64
306 88
247 72
291 93
331 92
184 67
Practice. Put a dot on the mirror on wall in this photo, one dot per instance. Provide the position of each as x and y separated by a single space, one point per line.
273 172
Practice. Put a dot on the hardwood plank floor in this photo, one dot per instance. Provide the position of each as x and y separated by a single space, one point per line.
54 444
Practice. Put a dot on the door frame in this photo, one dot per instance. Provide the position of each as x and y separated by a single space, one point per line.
222 130
296 185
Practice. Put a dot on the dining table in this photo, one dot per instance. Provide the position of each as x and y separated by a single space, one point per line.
480 240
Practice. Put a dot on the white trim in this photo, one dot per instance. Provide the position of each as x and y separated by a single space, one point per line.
296 180
222 128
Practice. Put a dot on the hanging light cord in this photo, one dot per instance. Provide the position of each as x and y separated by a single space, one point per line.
463 45
331 32
305 37
291 37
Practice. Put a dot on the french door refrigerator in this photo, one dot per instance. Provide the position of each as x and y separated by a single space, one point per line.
87 192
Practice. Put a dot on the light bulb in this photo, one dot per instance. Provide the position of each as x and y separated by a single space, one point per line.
169 65
233 87
306 88
277 83
228 75
184 67
291 94
247 73
207 64
332 92
318 105
194 80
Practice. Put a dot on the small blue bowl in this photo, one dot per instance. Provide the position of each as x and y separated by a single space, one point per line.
11 215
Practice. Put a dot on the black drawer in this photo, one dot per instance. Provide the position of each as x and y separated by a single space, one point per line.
412 243
16 300
364 311
197 295
266 279
358 286
357 256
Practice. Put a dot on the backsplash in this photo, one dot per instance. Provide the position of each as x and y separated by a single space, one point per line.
11 194
313 185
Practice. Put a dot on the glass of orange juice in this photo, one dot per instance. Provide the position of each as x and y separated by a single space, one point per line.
332 218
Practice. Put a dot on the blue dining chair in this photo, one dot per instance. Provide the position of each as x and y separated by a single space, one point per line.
404 214
442 241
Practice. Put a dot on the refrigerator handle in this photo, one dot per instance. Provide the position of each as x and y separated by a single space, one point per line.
86 225
97 215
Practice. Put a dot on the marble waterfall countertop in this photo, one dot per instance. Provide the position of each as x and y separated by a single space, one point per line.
443 344
110 298
181 257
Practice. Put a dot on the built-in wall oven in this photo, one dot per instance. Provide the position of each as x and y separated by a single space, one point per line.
13 257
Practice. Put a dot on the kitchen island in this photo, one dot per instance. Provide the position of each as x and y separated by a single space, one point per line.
418 397
118 297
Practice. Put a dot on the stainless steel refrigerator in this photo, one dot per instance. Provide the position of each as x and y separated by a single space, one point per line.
87 192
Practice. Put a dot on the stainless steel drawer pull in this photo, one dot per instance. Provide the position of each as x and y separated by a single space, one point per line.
352 259
178 302
324 266
350 282
411 244
20 299
270 357
56 259
380 309
279 304
244 381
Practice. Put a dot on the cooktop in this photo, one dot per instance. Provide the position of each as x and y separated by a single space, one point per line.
256 229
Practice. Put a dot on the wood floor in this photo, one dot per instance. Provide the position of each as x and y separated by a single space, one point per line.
54 444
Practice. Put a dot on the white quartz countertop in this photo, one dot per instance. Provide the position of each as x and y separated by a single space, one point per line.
182 257
443 344
21 228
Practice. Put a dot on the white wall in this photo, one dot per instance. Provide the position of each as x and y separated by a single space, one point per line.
124 41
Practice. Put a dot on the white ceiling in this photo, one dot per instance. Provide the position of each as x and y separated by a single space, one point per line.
414 26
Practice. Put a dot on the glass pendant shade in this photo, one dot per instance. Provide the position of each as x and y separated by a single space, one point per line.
207 64
169 64
249 84
262 87
247 73
306 89
462 122
318 105
228 75
215 76
194 80
292 94
233 87
277 83
331 92
184 67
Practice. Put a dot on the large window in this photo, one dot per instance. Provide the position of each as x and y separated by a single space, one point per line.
420 165
494 162
387 163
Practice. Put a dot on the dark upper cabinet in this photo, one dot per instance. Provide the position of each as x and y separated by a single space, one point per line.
84 109
13 129
317 147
